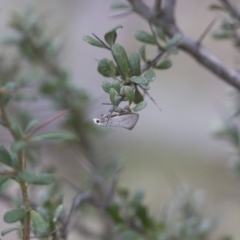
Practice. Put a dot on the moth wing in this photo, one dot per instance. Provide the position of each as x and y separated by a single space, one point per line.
127 121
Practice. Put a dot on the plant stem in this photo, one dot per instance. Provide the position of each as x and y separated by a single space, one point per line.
23 185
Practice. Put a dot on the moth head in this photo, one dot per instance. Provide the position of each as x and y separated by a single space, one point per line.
97 121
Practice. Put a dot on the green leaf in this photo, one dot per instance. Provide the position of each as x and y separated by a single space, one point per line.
138 96
15 128
5 157
138 197
220 34
8 230
139 106
111 36
93 41
39 224
18 146
119 5
9 87
160 32
56 136
106 86
149 75
165 64
142 53
112 94
31 125
116 85
106 67
15 215
57 212
120 56
129 92
31 178
113 211
145 37
135 64
139 80
144 86
3 179
142 213
173 41
216 7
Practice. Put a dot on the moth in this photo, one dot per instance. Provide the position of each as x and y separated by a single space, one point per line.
124 120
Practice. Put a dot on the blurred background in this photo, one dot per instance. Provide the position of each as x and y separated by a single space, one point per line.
165 148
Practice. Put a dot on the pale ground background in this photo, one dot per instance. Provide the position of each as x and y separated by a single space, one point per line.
175 141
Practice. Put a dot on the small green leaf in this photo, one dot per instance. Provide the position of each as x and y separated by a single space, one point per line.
9 87
32 124
106 86
135 64
174 40
18 146
139 80
106 67
112 94
93 41
31 178
15 128
149 75
116 85
129 92
216 7
56 136
138 96
160 32
5 157
138 197
57 212
113 211
15 215
142 53
142 213
111 36
220 34
120 56
8 230
139 106
119 5
145 37
39 224
165 64
144 86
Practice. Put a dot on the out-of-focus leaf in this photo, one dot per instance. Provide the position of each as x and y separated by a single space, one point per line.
135 64
106 67
116 85
111 36
106 86
113 93
165 64
5 157
31 125
142 52
149 75
18 146
39 224
141 80
93 41
15 215
129 92
119 5
56 136
138 96
8 230
145 37
139 106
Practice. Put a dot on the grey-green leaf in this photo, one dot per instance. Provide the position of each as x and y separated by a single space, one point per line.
129 92
112 94
111 36
220 34
18 146
145 37
174 40
165 64
93 41
5 157
56 136
106 86
141 80
15 128
8 230
14 215
138 96
139 106
160 32
57 212
106 67
31 178
32 124
120 56
135 64
149 75
119 5
116 85
39 224
142 52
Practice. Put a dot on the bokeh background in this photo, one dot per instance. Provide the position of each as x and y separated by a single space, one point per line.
165 148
